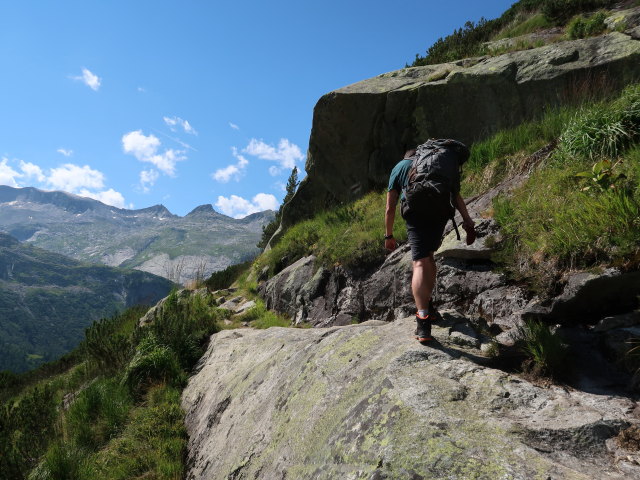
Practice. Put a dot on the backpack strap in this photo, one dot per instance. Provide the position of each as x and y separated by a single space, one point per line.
455 226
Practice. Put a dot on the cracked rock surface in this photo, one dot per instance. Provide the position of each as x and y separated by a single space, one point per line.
368 402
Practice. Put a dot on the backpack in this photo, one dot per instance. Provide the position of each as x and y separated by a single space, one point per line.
434 180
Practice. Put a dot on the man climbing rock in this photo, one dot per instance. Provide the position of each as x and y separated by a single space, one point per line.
427 182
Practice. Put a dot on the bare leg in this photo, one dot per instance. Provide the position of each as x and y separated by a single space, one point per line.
423 280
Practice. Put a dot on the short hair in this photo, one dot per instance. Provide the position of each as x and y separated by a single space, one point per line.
410 153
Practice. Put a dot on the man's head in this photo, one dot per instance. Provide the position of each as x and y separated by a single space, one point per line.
410 153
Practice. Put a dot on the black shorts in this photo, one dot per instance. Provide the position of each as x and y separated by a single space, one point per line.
425 234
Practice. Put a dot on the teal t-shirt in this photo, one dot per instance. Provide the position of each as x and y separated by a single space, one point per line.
400 175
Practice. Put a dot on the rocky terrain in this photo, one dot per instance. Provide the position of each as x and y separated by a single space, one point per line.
151 239
367 402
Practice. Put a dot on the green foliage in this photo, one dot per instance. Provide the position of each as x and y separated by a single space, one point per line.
153 363
582 27
545 348
108 342
262 318
506 151
184 324
559 11
269 229
530 24
350 235
63 461
224 278
605 129
26 426
98 413
468 40
602 176
152 445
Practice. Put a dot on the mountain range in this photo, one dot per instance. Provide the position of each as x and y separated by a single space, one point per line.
151 239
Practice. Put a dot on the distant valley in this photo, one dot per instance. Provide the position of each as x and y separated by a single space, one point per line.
150 239
47 300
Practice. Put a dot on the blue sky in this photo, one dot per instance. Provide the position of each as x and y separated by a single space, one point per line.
190 102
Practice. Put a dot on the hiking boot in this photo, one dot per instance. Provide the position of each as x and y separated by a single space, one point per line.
423 330
434 314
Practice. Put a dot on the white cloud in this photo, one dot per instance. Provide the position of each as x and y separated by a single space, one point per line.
148 179
84 181
234 126
110 197
177 121
140 145
238 207
65 152
286 154
7 174
274 171
89 79
223 175
31 170
142 90
145 148
71 178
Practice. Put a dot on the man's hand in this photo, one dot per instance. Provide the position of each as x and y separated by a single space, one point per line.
390 244
470 229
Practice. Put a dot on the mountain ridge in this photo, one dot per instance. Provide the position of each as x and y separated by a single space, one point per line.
151 239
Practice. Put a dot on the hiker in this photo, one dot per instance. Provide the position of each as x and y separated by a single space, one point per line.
426 215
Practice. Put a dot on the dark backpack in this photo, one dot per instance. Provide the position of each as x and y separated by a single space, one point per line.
434 179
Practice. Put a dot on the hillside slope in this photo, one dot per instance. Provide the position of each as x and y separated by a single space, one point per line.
151 239
47 300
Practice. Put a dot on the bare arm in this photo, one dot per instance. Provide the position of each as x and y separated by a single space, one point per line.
462 208
389 218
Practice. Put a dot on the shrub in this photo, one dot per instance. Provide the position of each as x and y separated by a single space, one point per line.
63 461
99 413
545 348
582 27
263 318
106 346
153 444
606 129
153 363
225 278
184 323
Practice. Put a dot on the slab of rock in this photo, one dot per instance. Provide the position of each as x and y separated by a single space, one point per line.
488 236
366 126
233 303
367 402
618 321
587 297
242 308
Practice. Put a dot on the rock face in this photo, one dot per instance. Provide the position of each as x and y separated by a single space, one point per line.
366 127
367 402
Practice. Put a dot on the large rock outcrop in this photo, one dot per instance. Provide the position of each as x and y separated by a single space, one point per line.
362 130
367 402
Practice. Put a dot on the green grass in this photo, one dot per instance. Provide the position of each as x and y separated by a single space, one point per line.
529 24
545 349
350 235
506 152
562 220
121 423
260 317
583 26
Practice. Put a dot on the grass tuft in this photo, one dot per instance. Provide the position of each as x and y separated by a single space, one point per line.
545 349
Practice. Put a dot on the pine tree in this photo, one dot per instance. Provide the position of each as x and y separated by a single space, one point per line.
269 229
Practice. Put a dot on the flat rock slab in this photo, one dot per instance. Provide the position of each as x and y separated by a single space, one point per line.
368 402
